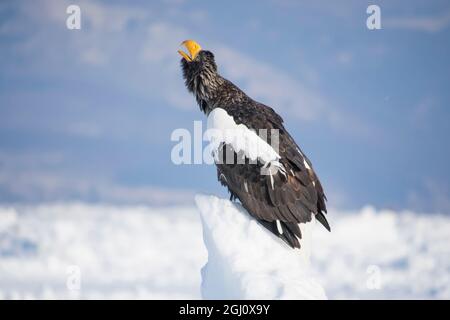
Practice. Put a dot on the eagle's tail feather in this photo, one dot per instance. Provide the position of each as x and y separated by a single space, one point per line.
321 217
290 231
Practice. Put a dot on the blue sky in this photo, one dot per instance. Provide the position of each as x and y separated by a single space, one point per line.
87 114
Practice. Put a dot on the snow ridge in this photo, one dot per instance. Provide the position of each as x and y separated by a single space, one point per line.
223 128
245 261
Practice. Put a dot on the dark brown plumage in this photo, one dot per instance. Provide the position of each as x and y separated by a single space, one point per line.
294 196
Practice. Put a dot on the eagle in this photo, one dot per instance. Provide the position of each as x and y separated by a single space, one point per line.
279 188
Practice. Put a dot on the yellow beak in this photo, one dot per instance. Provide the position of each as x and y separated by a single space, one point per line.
193 48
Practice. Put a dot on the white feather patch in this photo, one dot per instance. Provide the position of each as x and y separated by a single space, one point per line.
223 129
279 228
306 164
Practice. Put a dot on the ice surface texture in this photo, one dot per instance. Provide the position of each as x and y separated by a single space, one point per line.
246 261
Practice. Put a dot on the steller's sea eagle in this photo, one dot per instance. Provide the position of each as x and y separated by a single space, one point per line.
281 199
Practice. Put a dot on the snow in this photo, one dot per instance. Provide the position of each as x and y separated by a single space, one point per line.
221 127
245 261
121 252
157 252
409 253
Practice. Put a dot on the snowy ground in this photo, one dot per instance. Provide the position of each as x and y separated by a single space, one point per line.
245 261
74 250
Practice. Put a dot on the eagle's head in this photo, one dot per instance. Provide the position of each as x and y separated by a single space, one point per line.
199 72
197 60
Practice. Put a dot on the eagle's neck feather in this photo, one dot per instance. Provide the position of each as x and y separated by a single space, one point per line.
206 86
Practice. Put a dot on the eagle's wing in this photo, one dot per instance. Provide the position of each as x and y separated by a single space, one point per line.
284 199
